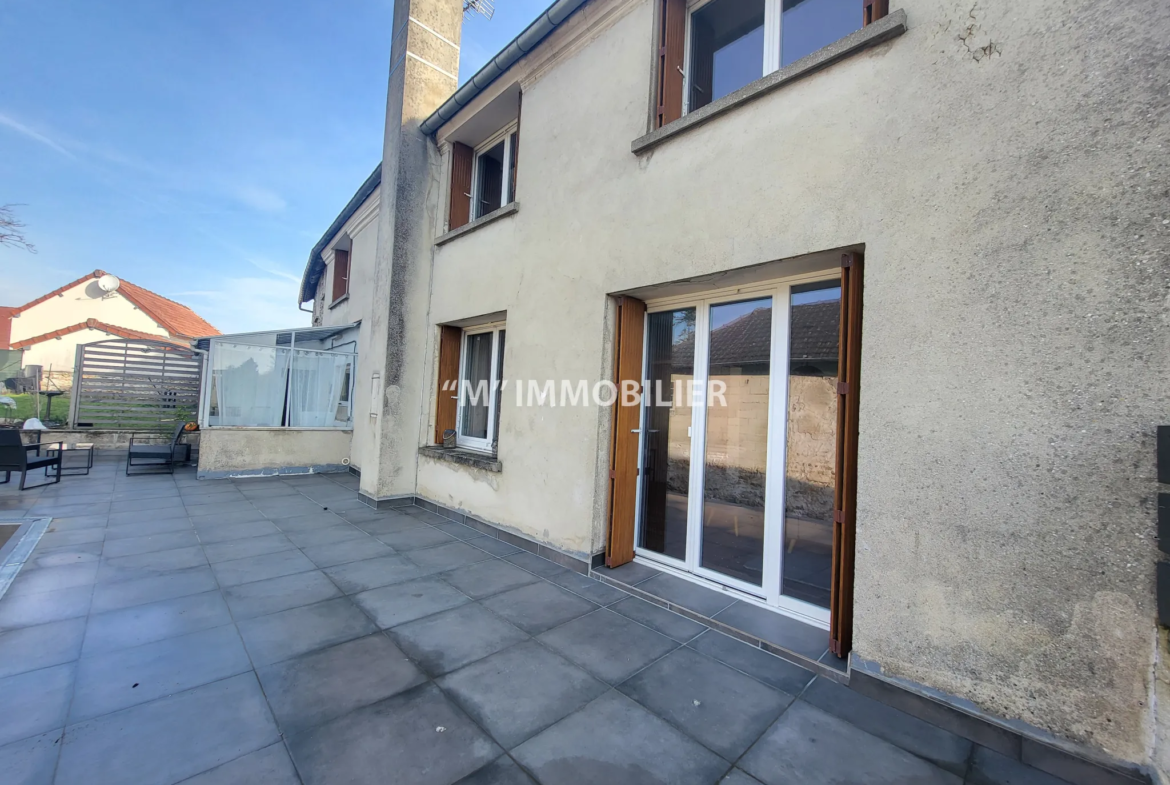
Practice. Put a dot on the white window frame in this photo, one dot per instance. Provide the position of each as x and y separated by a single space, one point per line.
505 135
470 442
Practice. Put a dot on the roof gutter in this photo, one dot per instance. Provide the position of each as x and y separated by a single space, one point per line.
549 20
316 264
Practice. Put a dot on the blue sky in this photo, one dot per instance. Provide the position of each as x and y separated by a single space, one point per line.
198 149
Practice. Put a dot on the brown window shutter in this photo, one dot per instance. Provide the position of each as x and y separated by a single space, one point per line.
340 274
845 494
623 468
873 10
516 145
462 158
447 403
671 41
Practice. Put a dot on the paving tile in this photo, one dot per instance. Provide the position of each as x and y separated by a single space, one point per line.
991 768
64 556
395 742
17 610
494 547
608 645
57 539
303 520
783 631
31 761
145 565
221 508
34 702
720 707
451 639
1068 765
346 551
535 564
215 520
434 519
630 573
52 579
146 503
502 771
144 529
258 568
169 739
31 648
589 588
940 747
538 606
286 634
368 574
330 534
122 629
268 766
807 745
415 538
739 777
615 741
486 578
447 557
404 602
657 618
261 598
383 525
226 532
519 691
250 546
322 685
139 591
148 517
459 531
79 522
127 677
692 596
151 543
753 661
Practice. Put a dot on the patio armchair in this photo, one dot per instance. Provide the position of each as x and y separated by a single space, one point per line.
14 457
158 456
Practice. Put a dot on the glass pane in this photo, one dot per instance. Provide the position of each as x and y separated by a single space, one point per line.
476 387
809 25
499 387
317 385
666 456
737 439
491 179
513 141
812 442
250 384
727 49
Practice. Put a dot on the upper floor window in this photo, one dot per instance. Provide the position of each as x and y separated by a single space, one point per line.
494 179
340 274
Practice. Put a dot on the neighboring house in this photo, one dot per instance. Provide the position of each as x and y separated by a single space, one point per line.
644 191
50 328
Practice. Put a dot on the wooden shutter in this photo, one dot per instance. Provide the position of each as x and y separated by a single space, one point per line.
845 494
462 158
873 10
516 146
340 274
447 404
623 466
671 42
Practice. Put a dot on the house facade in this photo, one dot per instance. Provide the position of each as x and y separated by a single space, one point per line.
899 271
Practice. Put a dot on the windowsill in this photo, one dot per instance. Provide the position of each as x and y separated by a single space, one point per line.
509 209
463 457
890 26
339 301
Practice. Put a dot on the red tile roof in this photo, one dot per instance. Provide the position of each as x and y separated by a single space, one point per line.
5 326
175 318
94 324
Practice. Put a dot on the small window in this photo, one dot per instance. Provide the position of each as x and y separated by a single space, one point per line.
494 184
480 387
340 274
732 43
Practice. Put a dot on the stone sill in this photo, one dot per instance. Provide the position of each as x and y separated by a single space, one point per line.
463 457
339 301
890 26
509 209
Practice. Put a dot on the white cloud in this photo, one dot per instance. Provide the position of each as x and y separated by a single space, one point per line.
239 305
29 133
262 199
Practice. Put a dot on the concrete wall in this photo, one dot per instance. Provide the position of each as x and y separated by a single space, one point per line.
76 304
240 452
1004 166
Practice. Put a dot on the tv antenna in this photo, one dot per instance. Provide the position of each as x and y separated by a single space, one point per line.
484 7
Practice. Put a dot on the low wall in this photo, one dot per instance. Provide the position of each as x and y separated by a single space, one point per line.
244 452
101 439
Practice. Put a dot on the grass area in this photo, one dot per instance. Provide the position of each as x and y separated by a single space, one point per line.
26 407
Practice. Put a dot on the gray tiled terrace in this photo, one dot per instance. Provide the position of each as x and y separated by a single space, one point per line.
276 630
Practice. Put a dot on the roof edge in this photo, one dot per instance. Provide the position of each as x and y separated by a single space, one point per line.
315 267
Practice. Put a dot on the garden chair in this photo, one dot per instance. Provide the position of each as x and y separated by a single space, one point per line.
14 457
158 456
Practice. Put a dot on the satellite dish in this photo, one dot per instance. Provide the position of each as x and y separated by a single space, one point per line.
109 283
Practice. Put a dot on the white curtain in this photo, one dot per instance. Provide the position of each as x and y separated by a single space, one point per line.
317 388
249 384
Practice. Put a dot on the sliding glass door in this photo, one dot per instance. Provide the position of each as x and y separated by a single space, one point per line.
738 441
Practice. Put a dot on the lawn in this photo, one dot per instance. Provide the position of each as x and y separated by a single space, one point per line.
26 407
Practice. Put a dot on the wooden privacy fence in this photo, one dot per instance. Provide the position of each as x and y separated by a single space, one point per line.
134 385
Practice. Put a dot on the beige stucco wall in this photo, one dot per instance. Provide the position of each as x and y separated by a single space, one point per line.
1002 166
76 304
234 452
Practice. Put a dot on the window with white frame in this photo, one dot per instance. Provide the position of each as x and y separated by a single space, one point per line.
494 177
731 43
480 387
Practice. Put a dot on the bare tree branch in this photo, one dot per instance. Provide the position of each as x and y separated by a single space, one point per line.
12 229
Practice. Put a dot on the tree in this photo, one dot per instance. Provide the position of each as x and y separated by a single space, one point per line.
12 229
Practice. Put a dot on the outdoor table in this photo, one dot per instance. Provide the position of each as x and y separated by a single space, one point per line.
81 465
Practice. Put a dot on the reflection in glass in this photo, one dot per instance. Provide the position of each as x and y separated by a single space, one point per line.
666 457
491 179
475 387
727 49
737 439
812 442
809 25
